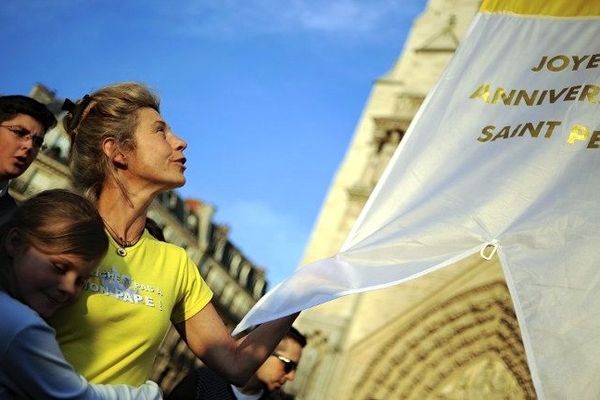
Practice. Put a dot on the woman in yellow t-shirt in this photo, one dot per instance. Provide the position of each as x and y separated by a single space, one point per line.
123 155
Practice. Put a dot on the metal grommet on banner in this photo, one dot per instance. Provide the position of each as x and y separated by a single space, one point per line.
488 250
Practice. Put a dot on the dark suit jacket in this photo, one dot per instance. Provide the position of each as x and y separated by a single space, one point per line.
7 205
205 384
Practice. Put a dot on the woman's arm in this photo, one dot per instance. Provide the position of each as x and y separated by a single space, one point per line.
35 368
209 339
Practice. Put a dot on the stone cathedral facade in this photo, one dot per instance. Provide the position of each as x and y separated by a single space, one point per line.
451 334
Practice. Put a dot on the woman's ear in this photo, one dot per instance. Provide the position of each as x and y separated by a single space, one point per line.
14 242
113 152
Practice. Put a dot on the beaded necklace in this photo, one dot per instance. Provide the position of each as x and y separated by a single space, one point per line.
122 243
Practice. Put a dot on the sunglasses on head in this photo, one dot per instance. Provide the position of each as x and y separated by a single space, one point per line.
288 365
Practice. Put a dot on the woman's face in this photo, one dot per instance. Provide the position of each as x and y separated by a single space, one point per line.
46 282
157 159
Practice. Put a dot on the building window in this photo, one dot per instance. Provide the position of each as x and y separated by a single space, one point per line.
245 274
227 295
260 288
234 266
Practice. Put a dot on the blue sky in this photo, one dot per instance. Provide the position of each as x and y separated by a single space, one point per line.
267 93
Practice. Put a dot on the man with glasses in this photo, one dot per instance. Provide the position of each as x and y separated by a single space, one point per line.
265 384
23 124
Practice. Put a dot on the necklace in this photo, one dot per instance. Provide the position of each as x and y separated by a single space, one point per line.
122 243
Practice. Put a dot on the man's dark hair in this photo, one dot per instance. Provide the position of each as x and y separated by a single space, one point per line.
17 104
295 335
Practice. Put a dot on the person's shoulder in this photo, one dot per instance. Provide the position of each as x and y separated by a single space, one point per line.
7 201
7 206
202 384
208 374
16 316
211 382
278 395
172 249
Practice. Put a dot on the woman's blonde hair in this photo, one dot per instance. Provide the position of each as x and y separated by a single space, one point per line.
56 221
110 112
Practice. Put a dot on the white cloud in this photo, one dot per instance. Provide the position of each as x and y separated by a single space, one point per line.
278 16
342 15
358 18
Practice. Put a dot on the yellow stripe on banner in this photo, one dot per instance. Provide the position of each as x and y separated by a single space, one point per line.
554 8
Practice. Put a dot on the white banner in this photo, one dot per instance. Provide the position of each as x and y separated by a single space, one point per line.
505 150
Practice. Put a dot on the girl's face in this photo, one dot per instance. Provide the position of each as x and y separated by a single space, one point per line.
46 282
157 159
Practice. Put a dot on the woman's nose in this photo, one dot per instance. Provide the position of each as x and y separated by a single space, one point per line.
178 143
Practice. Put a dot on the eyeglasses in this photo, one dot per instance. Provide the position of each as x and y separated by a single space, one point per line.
288 365
37 142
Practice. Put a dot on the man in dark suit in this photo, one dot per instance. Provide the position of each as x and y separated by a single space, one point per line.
265 384
23 124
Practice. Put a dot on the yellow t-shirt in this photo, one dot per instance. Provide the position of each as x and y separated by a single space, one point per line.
111 334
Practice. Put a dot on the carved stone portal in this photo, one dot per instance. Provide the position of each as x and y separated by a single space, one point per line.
467 347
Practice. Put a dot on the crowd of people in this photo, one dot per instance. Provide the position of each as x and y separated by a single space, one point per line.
87 292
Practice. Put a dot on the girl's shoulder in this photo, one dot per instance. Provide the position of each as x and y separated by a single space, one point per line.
16 317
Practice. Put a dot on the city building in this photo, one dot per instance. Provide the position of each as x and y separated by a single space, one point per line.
236 282
450 334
